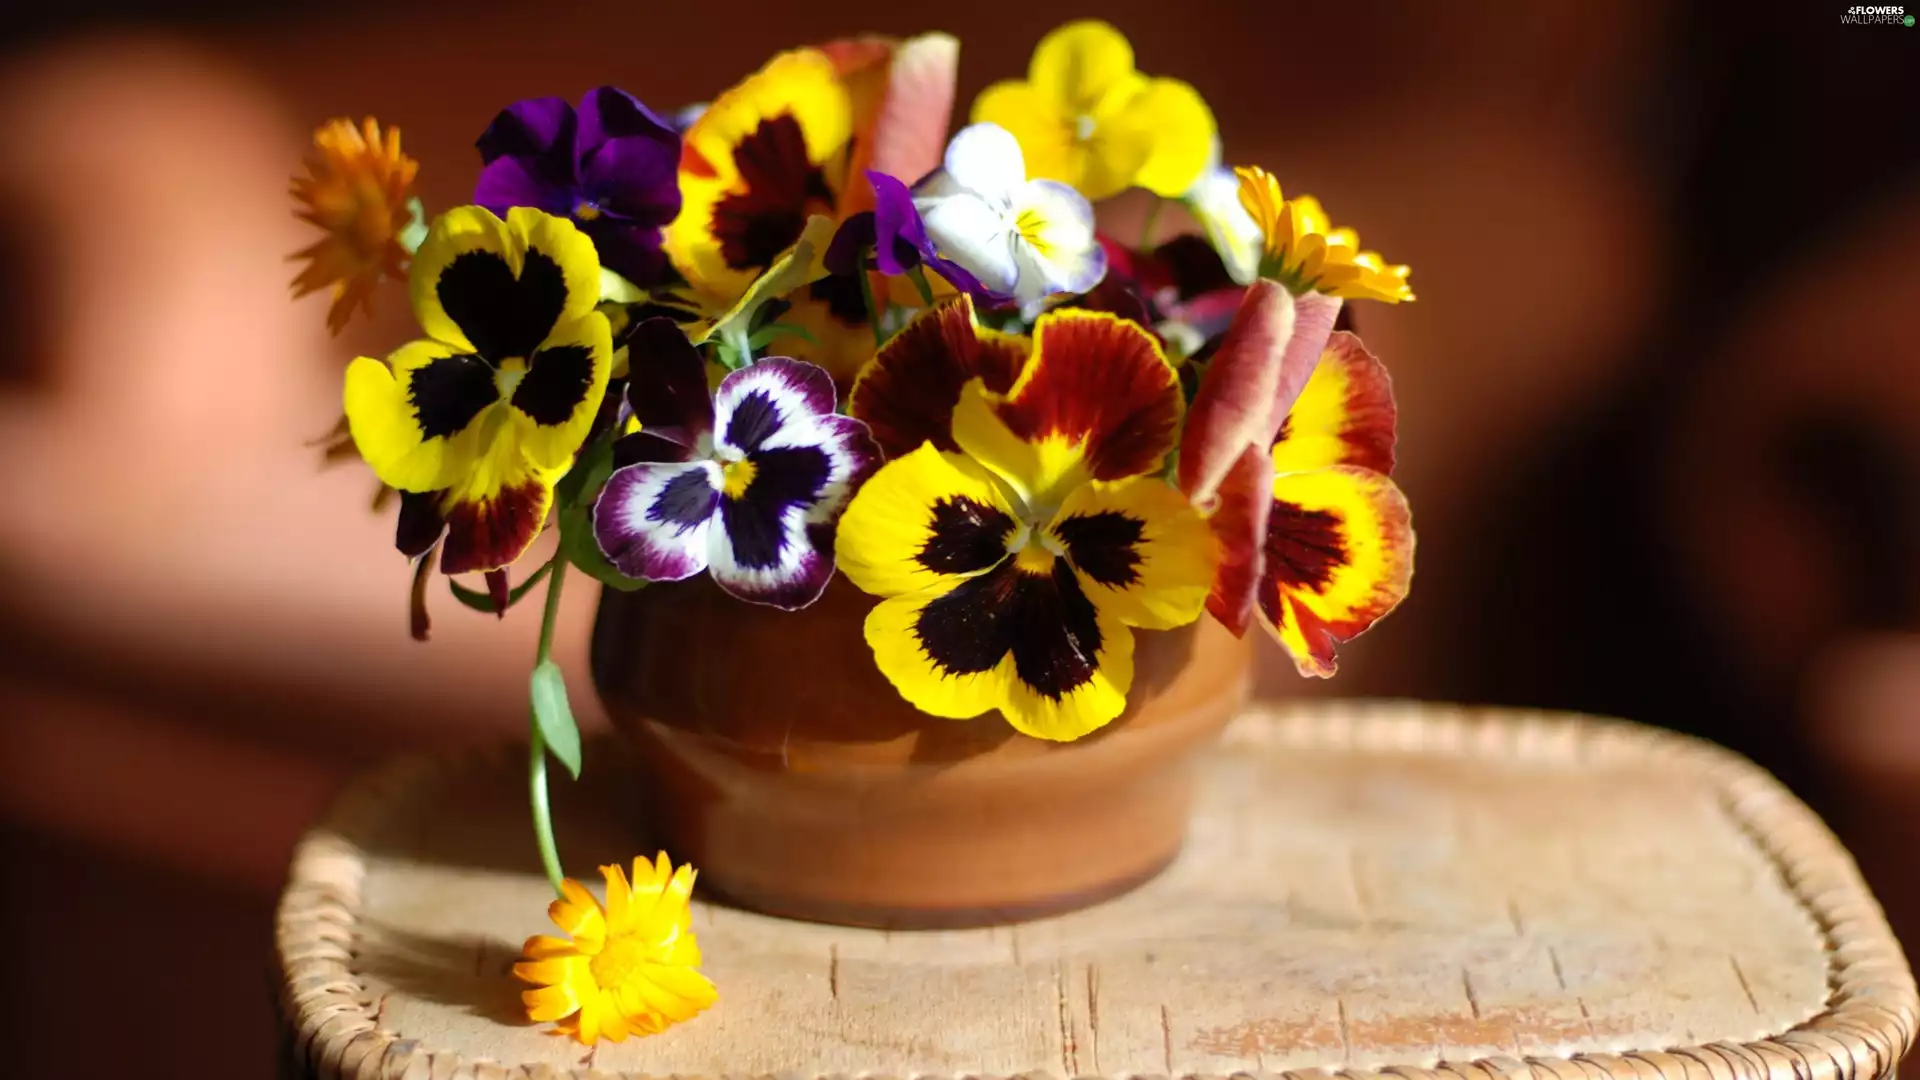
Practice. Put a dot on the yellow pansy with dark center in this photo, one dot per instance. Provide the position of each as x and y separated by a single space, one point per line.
1027 532
480 417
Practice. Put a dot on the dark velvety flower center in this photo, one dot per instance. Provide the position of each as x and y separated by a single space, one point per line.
782 186
756 521
843 298
1044 620
502 315
448 392
1304 547
1104 546
685 501
964 536
556 384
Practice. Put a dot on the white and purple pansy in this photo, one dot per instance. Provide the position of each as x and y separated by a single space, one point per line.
899 240
747 484
1028 239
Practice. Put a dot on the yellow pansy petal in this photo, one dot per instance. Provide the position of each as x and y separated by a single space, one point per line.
1339 556
464 230
1080 64
1141 550
923 521
792 120
498 508
1171 118
415 418
1096 400
539 235
1061 710
923 678
556 399
1344 416
1044 132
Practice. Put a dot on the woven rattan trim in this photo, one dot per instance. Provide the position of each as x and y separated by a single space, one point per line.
1868 1022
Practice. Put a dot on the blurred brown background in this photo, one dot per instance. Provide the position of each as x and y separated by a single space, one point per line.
1659 402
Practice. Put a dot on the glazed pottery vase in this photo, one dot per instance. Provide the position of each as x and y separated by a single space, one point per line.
783 764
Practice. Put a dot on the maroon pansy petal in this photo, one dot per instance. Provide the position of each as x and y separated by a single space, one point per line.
421 522
667 382
493 529
907 393
1102 382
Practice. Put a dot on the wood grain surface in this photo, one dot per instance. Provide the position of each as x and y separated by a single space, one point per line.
1380 889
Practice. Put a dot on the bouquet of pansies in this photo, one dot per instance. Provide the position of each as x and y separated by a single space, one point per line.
802 329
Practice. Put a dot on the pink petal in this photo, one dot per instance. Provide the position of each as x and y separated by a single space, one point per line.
1265 359
1239 522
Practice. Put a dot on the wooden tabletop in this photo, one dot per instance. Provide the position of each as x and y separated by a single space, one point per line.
1392 888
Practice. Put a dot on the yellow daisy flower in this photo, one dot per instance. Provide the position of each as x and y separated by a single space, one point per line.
356 191
631 966
1085 117
1303 251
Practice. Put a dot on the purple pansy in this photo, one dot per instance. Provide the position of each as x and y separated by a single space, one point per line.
612 167
899 240
747 484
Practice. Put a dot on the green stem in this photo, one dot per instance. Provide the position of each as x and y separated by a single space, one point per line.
873 310
918 275
1153 218
537 746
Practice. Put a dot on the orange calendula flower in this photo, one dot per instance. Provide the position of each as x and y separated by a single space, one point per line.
631 966
1303 251
355 190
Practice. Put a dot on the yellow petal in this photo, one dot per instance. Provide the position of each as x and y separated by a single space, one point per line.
803 85
1173 121
892 631
1141 550
1045 133
1085 708
618 896
1079 64
558 398
1344 415
923 521
549 1003
559 971
464 230
425 440
1339 556
579 915
544 947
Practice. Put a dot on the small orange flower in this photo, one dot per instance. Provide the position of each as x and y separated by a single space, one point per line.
355 190
632 966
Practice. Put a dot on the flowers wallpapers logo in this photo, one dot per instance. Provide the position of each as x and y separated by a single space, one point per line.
813 328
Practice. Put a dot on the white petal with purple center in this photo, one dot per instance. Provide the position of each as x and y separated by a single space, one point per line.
653 521
790 466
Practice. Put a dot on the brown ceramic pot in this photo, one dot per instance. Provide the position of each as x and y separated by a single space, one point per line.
787 768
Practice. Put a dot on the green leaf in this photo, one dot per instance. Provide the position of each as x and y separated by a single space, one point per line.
918 275
577 490
483 603
765 335
554 716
